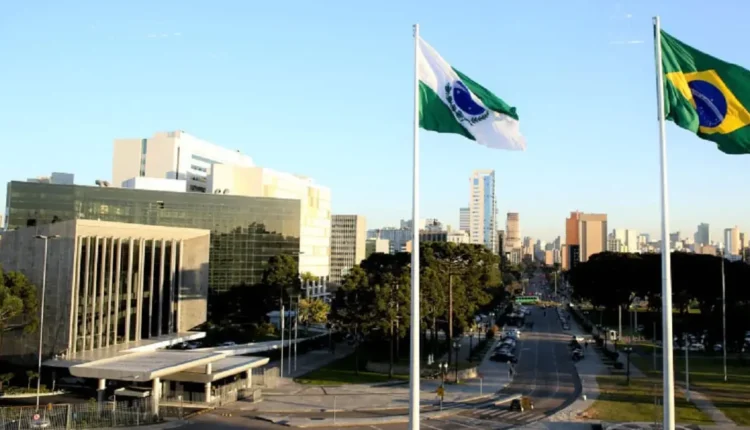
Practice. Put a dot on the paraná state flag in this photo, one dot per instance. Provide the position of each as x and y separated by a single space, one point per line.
451 102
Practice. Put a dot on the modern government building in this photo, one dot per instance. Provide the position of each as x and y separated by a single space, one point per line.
132 265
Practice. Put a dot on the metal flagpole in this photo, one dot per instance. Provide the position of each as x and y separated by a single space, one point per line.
414 341
281 319
724 315
666 266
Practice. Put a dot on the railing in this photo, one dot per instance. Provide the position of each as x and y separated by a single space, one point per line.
79 416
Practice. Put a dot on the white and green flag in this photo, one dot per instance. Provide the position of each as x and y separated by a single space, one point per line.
450 102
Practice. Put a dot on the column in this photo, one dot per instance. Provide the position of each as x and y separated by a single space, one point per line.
139 289
155 395
74 298
179 286
94 283
129 291
109 289
101 390
160 311
85 292
207 391
172 283
249 383
151 290
118 303
102 284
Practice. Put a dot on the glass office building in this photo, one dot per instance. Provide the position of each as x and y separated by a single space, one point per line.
245 231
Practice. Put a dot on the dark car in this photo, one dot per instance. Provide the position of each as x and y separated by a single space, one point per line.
504 357
522 404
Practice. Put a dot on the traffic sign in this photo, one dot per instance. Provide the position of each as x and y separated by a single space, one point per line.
441 392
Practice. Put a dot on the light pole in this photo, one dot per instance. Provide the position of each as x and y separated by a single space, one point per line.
471 342
628 350
724 315
456 347
296 323
46 240
443 372
686 343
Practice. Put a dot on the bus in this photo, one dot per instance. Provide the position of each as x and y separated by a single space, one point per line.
527 300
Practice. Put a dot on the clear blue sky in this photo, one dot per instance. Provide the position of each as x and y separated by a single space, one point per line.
325 89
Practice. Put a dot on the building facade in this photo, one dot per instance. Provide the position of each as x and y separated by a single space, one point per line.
171 155
373 245
245 231
585 235
314 207
464 215
109 283
513 238
347 244
483 209
732 244
703 234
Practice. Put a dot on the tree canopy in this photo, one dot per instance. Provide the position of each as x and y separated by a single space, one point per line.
18 302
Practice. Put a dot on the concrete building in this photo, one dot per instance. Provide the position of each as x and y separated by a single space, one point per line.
374 245
549 258
513 231
732 244
585 235
706 249
55 178
171 155
458 236
314 206
396 237
463 219
483 209
347 244
245 231
702 235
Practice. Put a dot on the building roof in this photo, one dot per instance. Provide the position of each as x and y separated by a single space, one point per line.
144 366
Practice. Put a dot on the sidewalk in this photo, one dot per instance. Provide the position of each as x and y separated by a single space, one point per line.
310 361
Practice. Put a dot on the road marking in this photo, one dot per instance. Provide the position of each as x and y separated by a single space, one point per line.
456 422
376 428
429 426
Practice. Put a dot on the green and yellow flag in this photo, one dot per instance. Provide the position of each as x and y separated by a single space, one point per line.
706 95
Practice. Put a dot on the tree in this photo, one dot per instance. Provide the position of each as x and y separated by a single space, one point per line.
30 376
281 276
5 378
18 303
313 311
352 307
308 277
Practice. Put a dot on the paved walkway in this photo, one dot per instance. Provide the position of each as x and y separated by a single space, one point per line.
291 397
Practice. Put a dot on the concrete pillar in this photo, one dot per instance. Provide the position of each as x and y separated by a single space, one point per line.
118 269
249 378
151 277
94 289
129 290
139 289
207 388
85 293
102 285
160 313
172 284
75 291
155 395
178 289
101 390
109 290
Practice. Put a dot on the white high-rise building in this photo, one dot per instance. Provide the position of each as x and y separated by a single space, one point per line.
171 155
463 219
483 209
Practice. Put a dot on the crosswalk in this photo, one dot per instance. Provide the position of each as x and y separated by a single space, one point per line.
504 414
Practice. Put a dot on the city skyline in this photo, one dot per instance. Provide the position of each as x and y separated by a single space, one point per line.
70 107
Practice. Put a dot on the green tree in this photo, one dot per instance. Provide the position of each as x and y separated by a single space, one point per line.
313 311
352 307
18 303
308 277
5 378
30 376
281 276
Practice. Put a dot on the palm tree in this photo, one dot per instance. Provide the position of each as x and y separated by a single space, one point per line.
5 379
30 376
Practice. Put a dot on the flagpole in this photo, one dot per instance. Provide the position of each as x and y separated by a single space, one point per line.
666 269
415 320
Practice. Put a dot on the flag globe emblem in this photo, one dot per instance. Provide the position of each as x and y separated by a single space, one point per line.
710 103
465 101
463 105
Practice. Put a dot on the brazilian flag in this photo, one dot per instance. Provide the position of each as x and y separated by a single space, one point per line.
706 95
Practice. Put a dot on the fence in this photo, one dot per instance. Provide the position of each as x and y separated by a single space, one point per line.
266 377
79 416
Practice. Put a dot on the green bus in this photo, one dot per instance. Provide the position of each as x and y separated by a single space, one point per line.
527 300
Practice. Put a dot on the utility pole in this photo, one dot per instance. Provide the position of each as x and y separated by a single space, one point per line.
296 323
619 322
289 362
450 311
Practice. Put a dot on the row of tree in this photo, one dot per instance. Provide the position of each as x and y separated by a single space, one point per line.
18 303
617 279
373 303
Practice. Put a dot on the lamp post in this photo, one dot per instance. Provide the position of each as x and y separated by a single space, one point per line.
471 342
724 315
46 240
456 347
686 344
628 350
443 372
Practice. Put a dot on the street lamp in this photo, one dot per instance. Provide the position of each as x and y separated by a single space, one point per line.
443 372
628 350
471 342
46 239
456 347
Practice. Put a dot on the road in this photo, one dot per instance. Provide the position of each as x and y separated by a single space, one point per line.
544 372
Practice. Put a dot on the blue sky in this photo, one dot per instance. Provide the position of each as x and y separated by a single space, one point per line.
325 89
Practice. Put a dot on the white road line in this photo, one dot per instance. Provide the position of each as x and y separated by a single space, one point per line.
422 423
447 420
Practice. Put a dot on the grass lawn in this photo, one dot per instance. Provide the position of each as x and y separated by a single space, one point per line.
707 377
343 371
620 402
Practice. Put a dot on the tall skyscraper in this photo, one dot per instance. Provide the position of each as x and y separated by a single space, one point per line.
732 241
483 209
513 232
348 234
702 235
585 235
463 219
